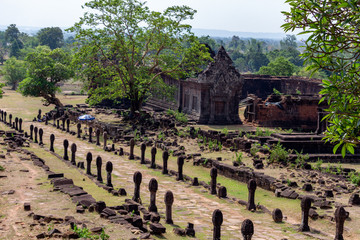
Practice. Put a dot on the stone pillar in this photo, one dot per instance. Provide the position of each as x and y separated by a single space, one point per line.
222 193
52 139
68 125
213 175
16 123
109 169
46 120
5 113
305 208
180 162
90 134
277 215
143 149
66 145
41 132
137 180
63 123
132 145
88 163
39 115
10 119
98 137
35 135
165 157
58 123
31 131
251 199
78 130
73 151
105 136
217 219
247 229
54 118
20 125
169 200
340 217
153 157
98 167
153 187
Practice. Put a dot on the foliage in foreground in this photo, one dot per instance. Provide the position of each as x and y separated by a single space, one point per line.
333 46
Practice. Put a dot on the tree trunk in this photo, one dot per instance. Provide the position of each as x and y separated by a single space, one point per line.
136 105
52 100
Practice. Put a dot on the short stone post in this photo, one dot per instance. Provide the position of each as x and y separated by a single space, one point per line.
213 175
39 115
41 132
109 169
78 130
31 131
73 151
247 229
105 136
217 219
153 187
97 137
137 180
88 163
153 157
143 149
46 120
35 135
169 200
68 125
90 134
165 157
63 123
132 145
10 118
66 145
52 139
16 123
58 123
5 113
340 217
180 163
54 119
20 125
305 208
251 199
277 215
98 167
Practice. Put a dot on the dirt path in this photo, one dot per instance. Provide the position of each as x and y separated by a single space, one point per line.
191 204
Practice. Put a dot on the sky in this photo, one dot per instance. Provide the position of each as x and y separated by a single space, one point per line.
231 15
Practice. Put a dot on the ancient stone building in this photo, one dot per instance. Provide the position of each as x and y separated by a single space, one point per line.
213 97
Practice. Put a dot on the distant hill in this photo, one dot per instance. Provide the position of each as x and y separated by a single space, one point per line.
198 32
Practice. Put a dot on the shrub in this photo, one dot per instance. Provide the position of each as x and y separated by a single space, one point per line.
318 164
238 157
180 117
254 148
225 131
301 159
278 154
354 178
2 168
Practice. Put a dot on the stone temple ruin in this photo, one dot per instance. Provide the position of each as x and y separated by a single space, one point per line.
214 96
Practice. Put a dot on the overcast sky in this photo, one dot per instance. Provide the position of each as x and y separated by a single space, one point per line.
232 15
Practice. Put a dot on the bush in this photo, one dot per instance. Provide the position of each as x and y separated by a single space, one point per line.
354 178
180 117
255 148
278 154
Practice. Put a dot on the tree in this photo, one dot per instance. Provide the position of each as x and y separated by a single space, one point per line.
255 57
1 91
46 68
279 67
12 38
125 48
51 36
333 45
14 71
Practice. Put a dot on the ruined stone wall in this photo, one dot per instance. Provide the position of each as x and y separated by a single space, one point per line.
263 85
290 112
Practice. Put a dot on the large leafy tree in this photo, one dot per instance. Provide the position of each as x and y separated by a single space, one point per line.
46 69
125 48
279 67
334 46
51 36
14 71
12 38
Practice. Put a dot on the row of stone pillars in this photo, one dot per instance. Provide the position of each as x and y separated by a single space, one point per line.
17 124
